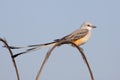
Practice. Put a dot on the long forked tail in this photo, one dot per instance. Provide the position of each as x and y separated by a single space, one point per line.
31 48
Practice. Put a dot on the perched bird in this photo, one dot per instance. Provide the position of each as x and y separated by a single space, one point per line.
79 37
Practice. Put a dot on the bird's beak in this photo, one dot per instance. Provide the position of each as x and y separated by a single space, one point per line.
93 26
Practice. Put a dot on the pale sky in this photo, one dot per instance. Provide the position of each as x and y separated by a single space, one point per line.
25 22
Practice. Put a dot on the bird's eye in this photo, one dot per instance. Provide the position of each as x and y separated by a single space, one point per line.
88 25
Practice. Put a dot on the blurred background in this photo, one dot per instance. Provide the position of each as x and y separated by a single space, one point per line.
26 22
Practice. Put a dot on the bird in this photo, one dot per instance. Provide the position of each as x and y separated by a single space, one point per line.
78 37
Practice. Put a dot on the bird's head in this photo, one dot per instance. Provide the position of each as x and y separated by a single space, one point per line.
87 25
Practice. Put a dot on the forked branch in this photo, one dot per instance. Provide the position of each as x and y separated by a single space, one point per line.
11 54
61 43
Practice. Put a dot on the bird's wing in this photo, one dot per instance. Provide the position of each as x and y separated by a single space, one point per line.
75 35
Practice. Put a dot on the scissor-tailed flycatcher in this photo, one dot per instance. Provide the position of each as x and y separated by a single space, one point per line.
79 37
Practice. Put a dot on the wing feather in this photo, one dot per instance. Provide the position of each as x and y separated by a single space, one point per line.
74 35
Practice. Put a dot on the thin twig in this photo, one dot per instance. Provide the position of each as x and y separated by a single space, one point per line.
13 60
61 43
85 60
43 63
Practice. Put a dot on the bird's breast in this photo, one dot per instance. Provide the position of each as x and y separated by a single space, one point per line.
83 39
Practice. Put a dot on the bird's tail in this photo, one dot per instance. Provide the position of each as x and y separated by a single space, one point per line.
31 48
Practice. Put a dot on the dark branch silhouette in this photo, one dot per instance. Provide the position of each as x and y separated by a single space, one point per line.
11 54
61 43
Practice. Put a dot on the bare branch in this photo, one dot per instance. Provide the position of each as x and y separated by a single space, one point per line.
61 43
11 54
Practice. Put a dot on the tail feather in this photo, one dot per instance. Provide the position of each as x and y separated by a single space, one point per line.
14 47
27 51
32 48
